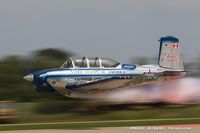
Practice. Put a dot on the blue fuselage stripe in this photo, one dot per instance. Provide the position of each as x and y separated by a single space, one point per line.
95 75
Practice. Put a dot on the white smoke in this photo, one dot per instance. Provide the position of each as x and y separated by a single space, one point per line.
180 91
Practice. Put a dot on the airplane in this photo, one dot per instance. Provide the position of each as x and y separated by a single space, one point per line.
94 75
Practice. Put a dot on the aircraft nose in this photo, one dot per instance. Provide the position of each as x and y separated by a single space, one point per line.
29 77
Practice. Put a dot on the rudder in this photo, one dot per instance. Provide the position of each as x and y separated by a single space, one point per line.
170 54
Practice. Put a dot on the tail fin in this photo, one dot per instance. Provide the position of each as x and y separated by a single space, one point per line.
170 54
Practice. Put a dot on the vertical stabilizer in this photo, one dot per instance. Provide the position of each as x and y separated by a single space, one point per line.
170 54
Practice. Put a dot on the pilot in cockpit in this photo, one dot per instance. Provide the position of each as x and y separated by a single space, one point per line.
84 62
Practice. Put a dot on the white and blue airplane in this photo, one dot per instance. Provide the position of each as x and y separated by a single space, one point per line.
82 75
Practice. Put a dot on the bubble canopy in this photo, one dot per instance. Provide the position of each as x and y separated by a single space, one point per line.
87 62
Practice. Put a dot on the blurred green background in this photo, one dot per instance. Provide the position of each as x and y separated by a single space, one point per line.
20 103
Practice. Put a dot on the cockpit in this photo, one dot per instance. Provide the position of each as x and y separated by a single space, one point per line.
84 62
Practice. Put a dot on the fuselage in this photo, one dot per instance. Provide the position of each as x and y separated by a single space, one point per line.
92 80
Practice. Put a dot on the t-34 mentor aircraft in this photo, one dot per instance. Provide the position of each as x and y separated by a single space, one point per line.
93 75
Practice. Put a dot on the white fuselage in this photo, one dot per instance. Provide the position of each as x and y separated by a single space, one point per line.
97 79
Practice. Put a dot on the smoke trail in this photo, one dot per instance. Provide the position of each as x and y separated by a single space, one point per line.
180 91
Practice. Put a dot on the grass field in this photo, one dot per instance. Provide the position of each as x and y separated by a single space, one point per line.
26 113
96 124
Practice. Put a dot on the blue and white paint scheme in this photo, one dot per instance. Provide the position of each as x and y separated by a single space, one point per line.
93 75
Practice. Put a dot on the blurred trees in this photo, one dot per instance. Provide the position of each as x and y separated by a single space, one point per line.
13 68
53 54
141 60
